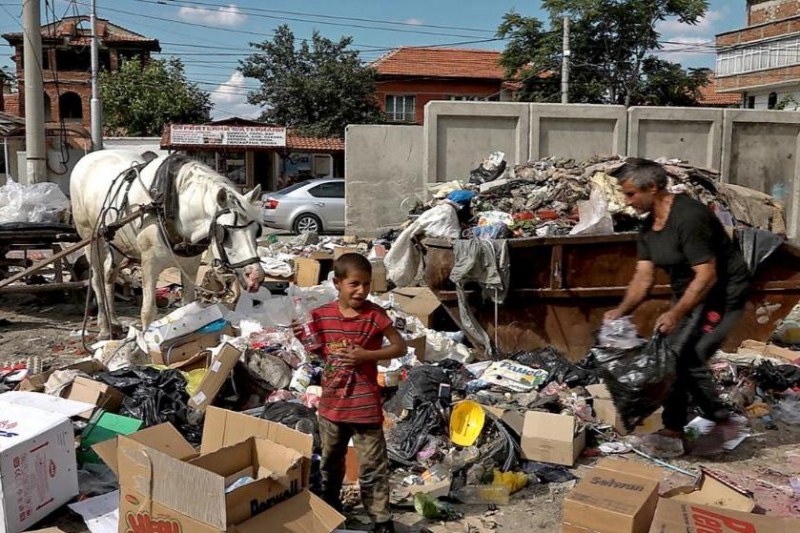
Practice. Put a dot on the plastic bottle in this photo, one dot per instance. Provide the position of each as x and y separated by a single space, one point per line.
488 494
302 316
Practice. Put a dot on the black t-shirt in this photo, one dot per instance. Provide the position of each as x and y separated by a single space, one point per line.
694 235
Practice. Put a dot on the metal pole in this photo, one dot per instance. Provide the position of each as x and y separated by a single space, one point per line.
565 64
5 155
36 169
96 111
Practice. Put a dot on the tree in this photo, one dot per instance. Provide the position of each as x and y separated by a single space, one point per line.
318 88
139 100
612 47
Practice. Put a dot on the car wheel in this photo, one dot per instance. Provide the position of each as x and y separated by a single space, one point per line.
307 223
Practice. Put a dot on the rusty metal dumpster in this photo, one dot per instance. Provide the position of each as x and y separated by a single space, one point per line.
561 286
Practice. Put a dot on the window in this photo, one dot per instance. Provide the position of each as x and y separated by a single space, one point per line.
774 54
751 102
333 189
401 108
70 107
772 100
463 98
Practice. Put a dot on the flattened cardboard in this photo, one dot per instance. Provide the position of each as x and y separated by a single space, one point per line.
95 392
304 513
417 301
607 413
36 382
379 283
615 496
163 437
181 351
674 516
711 490
311 271
215 377
551 438
339 251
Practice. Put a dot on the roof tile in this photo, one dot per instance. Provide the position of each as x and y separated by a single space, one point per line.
710 97
441 63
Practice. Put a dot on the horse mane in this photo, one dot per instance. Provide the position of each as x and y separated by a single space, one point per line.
196 173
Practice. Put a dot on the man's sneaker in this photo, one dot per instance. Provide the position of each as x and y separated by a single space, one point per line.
384 527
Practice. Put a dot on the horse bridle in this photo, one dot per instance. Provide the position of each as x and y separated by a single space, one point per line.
219 232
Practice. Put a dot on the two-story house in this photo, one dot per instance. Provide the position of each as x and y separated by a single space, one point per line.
410 77
761 62
66 64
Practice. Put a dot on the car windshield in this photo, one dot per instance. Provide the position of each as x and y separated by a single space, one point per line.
294 187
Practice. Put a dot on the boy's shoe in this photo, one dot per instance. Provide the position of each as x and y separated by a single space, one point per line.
384 527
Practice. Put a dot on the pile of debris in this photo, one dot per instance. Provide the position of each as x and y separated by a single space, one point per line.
460 431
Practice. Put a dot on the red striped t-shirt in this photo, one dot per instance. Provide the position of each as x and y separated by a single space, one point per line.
350 393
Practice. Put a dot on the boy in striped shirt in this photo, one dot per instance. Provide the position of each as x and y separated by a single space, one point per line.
351 331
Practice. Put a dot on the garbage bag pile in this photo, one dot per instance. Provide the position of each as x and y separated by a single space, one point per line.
553 196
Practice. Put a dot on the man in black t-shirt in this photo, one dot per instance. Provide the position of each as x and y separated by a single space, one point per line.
709 281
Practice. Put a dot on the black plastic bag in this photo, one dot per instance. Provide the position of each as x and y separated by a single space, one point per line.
559 369
295 416
155 397
776 378
457 373
420 387
639 379
487 171
407 436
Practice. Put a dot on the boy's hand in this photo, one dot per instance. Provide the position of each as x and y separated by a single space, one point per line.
352 355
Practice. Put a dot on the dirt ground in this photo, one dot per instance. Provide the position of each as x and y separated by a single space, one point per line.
32 326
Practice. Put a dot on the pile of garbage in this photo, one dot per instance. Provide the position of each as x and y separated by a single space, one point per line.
554 196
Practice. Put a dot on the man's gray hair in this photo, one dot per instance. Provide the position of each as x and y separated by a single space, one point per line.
642 173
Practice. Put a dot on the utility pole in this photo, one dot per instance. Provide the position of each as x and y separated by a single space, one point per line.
565 64
35 151
96 110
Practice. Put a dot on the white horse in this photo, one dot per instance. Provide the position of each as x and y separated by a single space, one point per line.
196 208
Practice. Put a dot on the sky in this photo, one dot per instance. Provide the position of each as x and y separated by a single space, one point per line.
212 36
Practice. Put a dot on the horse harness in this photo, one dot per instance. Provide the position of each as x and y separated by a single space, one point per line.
166 207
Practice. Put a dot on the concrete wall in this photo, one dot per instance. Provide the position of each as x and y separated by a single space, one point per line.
687 133
383 170
760 151
387 164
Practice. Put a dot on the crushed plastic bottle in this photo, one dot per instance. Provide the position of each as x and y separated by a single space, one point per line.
483 494
302 316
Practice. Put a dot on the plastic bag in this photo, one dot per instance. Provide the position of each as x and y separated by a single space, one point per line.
559 369
155 397
776 378
37 203
514 377
639 379
489 170
420 387
269 371
619 333
595 218
295 416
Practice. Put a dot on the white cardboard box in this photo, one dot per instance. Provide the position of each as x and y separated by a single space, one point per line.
38 472
182 321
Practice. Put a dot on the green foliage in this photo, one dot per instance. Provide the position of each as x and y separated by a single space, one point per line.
318 88
612 44
140 100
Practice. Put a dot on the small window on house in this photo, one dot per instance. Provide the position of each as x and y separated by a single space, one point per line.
401 108
772 101
70 107
463 98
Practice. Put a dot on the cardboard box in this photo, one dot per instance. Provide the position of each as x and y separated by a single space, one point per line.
606 412
339 251
312 270
551 438
183 321
36 382
163 437
711 490
38 471
379 283
674 516
417 301
215 378
95 392
153 480
615 496
351 465
185 348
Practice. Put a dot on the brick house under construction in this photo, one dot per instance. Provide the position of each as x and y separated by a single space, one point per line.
66 65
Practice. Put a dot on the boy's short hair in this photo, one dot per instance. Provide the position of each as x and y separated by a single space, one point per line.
642 173
351 262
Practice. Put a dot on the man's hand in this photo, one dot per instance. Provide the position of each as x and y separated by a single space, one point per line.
613 314
352 355
667 322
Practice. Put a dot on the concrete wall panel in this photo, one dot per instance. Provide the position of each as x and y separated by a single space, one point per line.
760 151
383 167
691 134
577 131
458 135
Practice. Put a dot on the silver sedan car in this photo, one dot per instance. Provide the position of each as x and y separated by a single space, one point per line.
312 205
